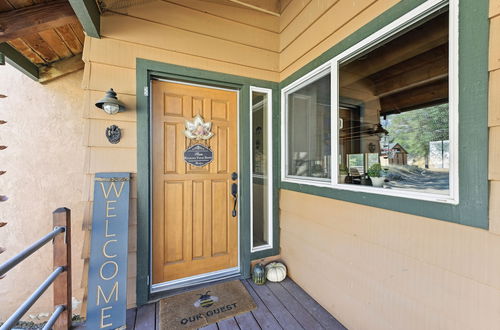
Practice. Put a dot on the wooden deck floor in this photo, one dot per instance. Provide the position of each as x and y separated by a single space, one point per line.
279 306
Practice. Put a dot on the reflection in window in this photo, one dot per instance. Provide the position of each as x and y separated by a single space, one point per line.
261 191
393 112
308 131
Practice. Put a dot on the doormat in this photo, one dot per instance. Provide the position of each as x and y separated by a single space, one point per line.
195 309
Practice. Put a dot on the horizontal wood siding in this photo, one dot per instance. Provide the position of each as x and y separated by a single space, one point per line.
324 29
400 271
143 32
387 270
190 33
241 15
291 12
188 19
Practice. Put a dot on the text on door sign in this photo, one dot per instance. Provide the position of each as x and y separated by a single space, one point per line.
198 155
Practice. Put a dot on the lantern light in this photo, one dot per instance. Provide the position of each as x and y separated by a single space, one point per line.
109 103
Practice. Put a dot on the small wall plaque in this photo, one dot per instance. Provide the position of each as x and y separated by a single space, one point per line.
198 155
114 134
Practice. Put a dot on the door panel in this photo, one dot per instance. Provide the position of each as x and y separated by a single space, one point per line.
193 230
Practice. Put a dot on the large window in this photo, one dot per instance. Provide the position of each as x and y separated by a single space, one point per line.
393 119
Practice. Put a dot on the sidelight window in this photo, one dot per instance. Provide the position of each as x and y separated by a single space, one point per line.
261 188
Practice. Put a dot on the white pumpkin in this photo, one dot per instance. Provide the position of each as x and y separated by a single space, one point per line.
275 272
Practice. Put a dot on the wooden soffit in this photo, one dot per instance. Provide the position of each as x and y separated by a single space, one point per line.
42 38
17 23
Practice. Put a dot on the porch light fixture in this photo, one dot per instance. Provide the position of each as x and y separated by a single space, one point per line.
380 131
109 103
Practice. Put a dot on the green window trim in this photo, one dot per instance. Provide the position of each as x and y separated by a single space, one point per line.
472 209
145 71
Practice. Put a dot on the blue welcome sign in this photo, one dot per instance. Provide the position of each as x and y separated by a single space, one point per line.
107 280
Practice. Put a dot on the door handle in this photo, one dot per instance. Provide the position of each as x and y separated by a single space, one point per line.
234 192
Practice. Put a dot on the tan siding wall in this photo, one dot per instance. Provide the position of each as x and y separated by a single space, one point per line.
191 33
317 25
241 15
377 269
373 269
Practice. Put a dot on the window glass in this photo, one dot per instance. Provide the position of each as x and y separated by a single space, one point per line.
393 112
260 177
309 131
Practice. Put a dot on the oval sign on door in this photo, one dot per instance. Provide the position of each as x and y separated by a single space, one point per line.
198 155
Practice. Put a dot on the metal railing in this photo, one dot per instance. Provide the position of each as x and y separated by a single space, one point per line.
60 277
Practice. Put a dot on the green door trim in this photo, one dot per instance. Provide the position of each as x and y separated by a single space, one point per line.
472 209
145 71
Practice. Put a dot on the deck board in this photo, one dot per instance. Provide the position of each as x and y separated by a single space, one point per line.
146 317
298 311
130 318
315 309
279 311
212 326
246 321
262 314
282 305
228 324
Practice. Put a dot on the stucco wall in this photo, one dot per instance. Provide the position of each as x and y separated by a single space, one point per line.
44 164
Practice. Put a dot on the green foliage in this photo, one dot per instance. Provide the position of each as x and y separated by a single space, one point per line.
413 130
342 169
374 170
355 160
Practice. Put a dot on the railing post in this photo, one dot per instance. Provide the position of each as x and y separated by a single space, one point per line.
62 257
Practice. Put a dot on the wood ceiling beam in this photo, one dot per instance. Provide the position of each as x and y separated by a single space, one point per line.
417 41
29 20
18 61
420 70
433 93
89 16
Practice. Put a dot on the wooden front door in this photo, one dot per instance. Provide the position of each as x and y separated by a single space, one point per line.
194 231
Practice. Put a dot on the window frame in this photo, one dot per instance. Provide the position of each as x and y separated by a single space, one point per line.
269 168
307 79
409 18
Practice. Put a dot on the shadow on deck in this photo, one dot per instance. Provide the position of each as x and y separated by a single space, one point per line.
279 306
